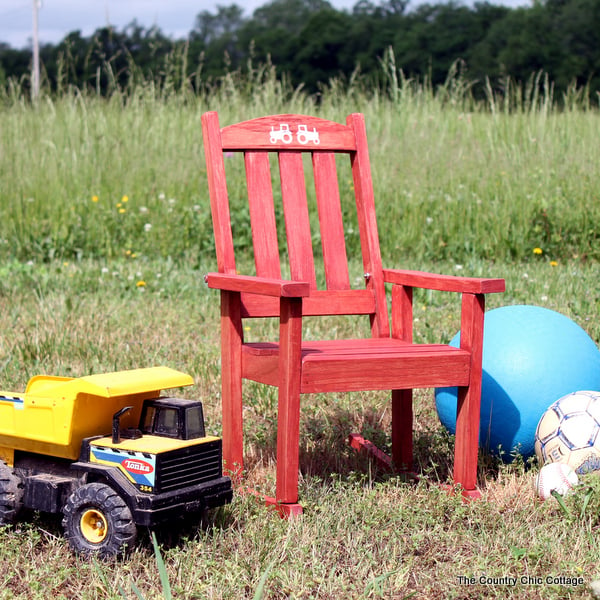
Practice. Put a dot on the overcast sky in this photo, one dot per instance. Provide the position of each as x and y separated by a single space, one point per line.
174 17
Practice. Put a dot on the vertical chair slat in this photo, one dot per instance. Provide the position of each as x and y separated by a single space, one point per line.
330 219
217 186
367 224
262 214
297 222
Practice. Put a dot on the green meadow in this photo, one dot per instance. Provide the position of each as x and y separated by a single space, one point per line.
88 177
105 235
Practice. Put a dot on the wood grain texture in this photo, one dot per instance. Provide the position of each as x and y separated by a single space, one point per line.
367 224
257 285
330 220
363 364
387 360
231 383
262 215
217 188
297 220
469 397
318 303
269 133
444 283
288 403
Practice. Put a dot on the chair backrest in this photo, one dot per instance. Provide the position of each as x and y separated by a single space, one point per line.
290 138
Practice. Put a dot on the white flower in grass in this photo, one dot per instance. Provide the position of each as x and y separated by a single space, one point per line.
147 227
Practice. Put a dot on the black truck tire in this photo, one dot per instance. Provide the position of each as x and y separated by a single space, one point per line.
11 495
98 522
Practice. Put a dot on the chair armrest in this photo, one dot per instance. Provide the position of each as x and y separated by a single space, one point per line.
281 288
444 283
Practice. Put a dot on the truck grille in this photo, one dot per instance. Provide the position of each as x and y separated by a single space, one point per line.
188 466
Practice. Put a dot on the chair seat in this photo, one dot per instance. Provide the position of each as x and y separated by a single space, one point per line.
362 364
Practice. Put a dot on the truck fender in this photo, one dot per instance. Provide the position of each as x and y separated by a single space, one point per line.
92 473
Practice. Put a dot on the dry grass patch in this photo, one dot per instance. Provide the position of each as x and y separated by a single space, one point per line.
365 534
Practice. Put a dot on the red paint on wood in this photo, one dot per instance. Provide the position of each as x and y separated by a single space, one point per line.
444 283
262 215
387 360
297 221
330 221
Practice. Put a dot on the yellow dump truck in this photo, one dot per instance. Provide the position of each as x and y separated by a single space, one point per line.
109 453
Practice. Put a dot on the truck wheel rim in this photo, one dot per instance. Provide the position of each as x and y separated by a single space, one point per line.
94 526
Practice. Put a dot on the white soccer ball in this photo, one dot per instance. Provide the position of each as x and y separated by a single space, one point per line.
569 432
555 477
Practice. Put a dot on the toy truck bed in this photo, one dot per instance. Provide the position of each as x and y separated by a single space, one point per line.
55 414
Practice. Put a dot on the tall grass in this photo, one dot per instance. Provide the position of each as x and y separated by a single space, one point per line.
104 236
456 178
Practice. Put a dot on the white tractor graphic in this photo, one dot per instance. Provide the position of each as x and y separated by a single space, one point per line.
304 136
282 135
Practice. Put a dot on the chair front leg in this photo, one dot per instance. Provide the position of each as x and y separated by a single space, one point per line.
468 408
402 430
231 383
288 419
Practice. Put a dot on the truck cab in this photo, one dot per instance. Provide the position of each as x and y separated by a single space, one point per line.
173 418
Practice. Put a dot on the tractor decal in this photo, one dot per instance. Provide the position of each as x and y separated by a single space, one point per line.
303 135
283 134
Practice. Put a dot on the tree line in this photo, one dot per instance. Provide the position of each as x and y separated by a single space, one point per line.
311 43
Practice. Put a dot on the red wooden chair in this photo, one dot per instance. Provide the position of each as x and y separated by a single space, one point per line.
388 359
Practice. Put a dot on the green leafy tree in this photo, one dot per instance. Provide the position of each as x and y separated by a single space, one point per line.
577 26
320 51
15 63
214 40
433 37
274 28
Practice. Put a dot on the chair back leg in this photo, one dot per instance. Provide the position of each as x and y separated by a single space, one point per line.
402 429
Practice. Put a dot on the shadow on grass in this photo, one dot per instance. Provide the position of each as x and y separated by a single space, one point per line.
325 453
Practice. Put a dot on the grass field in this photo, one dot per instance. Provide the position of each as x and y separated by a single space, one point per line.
85 177
105 236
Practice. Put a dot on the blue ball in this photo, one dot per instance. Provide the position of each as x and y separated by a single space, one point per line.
531 357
